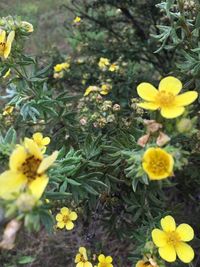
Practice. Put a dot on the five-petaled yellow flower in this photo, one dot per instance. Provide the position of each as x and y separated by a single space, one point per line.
105 261
105 89
41 141
8 110
166 98
103 62
157 163
6 43
143 263
65 218
171 240
82 259
27 167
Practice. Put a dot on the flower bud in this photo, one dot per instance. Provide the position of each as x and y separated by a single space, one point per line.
184 125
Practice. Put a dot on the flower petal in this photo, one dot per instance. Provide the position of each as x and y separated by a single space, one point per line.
109 259
170 113
69 225
37 137
170 84
185 232
46 141
184 252
47 162
73 216
33 148
147 91
168 224
167 253
101 258
186 98
88 264
159 238
2 36
60 225
80 264
17 158
10 183
9 44
64 211
148 105
59 217
38 185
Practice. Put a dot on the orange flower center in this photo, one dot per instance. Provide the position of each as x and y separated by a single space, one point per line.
29 167
173 238
165 99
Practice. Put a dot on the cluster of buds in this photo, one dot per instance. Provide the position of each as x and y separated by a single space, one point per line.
15 24
153 130
134 106
103 111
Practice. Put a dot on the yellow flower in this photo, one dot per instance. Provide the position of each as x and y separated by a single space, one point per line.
103 62
91 89
7 74
77 20
105 261
27 167
6 43
166 98
8 110
113 67
105 89
143 263
41 141
171 240
65 218
61 66
82 259
157 163
27 26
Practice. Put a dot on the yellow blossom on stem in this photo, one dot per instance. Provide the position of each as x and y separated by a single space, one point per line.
6 43
105 261
157 163
103 62
105 89
61 66
81 258
171 240
8 110
41 141
113 67
166 98
77 20
27 169
65 218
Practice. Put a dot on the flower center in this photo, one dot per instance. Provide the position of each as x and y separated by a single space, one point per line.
165 99
2 46
29 167
82 259
158 165
173 238
65 218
